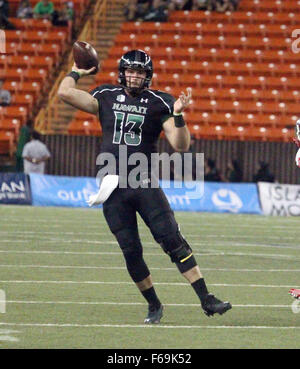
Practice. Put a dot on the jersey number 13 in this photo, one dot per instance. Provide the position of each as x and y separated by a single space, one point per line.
134 134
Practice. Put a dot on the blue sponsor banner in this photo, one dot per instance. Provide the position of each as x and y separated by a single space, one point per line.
50 190
14 189
215 197
218 197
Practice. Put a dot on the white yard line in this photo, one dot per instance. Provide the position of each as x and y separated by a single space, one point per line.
130 304
130 283
150 326
213 253
152 268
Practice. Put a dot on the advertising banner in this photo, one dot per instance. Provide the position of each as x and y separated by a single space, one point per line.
279 199
217 197
14 189
48 190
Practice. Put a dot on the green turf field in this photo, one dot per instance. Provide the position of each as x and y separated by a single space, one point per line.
66 285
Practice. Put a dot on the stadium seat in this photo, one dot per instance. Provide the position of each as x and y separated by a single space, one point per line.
12 48
17 61
86 127
10 125
6 143
41 62
14 112
29 24
15 74
4 60
26 100
31 49
36 75
12 86
82 115
34 36
32 88
14 36
106 78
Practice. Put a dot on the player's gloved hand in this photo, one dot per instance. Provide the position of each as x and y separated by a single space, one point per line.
82 72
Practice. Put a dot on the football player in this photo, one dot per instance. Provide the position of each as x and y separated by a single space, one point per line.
293 291
134 115
297 142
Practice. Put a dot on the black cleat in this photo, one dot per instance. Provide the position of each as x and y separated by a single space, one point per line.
154 315
212 305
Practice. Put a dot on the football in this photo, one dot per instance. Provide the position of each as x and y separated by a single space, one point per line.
85 56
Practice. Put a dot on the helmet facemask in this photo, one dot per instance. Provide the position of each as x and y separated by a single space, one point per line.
135 60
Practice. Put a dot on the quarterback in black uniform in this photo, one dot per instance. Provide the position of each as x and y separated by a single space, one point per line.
131 114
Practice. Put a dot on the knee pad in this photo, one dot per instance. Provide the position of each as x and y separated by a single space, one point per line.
179 251
133 254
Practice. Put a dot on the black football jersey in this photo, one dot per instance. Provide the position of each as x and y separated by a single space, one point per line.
132 121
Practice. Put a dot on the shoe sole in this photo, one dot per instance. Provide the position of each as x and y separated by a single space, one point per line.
227 307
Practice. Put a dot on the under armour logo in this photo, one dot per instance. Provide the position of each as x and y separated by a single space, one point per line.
144 100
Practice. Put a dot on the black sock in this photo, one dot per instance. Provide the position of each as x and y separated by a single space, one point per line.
151 297
200 288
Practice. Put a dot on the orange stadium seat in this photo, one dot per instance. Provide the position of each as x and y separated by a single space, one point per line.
19 61
27 24
109 65
6 143
56 36
108 77
17 112
23 100
36 75
82 115
41 62
25 61
12 86
34 36
15 74
12 48
115 52
31 49
10 125
4 60
86 127
32 88
14 36
50 49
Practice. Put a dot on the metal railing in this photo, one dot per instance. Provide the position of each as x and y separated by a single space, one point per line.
49 113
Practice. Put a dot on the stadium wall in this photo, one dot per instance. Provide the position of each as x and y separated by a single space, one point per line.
76 156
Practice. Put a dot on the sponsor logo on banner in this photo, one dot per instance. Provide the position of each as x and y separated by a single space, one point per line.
279 199
227 200
14 189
